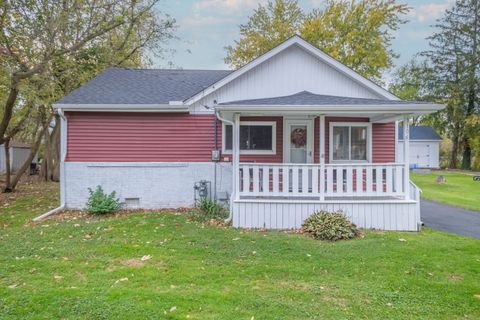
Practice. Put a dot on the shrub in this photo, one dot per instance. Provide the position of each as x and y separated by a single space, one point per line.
210 210
331 226
101 203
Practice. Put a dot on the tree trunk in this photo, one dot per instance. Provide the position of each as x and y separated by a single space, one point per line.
50 170
467 156
8 172
33 151
55 151
454 154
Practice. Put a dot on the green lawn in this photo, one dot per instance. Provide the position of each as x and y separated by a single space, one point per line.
460 190
92 269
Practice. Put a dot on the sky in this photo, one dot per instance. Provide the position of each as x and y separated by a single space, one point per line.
205 27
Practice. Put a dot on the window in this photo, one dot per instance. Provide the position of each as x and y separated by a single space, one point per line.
350 141
256 137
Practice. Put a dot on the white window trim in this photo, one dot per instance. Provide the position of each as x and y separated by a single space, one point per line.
272 124
350 124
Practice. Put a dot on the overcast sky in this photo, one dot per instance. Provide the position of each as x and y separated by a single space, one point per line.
207 26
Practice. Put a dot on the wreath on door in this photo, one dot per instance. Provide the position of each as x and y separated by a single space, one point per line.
299 137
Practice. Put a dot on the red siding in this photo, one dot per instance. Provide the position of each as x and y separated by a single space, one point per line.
149 137
174 137
383 140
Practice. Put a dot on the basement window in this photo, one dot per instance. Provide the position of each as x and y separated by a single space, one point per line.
256 137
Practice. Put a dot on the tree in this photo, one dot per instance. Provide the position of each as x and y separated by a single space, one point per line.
415 81
51 47
269 26
455 59
358 33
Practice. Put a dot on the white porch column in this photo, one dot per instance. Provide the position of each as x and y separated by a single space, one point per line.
322 156
236 154
406 156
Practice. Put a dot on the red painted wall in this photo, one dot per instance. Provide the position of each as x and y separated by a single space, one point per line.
182 137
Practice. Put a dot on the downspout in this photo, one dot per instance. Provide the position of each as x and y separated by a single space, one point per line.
232 196
63 125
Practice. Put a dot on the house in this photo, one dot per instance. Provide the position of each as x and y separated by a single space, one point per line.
424 147
292 132
19 152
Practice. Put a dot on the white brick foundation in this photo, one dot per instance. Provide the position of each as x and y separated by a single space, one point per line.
157 185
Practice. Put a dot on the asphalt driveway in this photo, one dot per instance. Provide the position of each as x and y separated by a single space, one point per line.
451 219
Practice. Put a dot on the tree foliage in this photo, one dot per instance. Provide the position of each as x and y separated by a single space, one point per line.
48 48
454 58
358 33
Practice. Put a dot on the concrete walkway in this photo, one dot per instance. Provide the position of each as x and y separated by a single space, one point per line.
451 219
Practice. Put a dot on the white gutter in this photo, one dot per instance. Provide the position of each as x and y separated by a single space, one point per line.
62 169
173 106
232 196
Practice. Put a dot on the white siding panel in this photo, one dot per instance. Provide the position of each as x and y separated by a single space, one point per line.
291 71
403 216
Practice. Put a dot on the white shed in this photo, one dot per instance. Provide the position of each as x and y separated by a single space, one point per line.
18 153
424 147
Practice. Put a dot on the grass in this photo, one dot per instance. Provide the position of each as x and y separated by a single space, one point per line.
79 267
460 190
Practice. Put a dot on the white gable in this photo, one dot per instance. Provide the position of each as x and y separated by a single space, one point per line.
292 67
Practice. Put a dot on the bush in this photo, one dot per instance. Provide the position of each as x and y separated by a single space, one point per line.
101 203
210 210
331 226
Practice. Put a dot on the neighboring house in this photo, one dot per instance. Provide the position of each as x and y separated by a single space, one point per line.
18 154
297 132
424 147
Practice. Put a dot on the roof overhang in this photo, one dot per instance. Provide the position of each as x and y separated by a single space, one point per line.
377 113
122 107
384 108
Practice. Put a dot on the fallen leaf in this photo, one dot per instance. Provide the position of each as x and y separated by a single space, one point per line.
309 255
58 277
33 270
402 240
477 296
121 280
145 258
235 239
13 286
172 309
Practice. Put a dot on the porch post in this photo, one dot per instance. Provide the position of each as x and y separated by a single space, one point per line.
406 156
236 154
322 156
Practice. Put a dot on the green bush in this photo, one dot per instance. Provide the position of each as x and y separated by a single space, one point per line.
210 210
331 226
101 203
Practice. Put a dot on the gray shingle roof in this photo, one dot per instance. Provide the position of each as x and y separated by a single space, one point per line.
420 133
308 98
143 86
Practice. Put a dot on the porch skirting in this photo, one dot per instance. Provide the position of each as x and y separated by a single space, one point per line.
401 215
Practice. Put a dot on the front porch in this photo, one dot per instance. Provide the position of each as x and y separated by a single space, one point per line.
324 156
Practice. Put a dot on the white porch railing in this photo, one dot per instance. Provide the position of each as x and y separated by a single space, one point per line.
304 180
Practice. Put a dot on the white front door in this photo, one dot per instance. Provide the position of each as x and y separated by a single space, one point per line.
298 141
